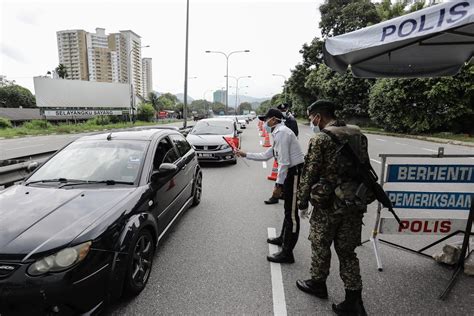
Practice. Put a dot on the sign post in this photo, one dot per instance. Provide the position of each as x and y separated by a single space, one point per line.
432 174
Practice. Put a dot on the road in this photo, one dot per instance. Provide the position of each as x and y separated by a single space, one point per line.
214 260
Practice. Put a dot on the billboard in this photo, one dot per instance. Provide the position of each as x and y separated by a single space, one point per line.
63 93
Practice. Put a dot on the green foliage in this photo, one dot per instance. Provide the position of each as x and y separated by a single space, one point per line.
343 16
217 107
425 105
61 71
15 96
244 106
200 106
37 124
5 123
154 100
99 120
146 112
166 101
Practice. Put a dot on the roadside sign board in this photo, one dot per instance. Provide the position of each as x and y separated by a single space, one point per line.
422 226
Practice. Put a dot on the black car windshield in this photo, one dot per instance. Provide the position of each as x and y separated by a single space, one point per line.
95 160
213 128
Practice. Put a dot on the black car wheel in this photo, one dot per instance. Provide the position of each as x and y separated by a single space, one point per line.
197 189
140 262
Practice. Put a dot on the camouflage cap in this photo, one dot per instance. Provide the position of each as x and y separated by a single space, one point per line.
325 106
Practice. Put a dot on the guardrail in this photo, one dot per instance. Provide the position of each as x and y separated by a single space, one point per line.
16 169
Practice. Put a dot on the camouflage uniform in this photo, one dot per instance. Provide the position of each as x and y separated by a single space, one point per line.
328 182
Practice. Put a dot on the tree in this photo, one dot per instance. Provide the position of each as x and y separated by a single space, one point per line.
15 96
146 112
167 101
200 106
425 105
61 71
218 107
153 98
244 106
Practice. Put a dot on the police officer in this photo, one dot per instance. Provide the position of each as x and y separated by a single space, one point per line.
287 151
329 182
290 120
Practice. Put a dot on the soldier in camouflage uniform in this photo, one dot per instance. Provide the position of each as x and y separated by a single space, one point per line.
329 183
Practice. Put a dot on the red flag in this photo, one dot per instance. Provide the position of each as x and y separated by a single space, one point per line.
231 142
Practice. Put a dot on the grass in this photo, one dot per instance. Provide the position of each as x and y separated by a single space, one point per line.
447 136
71 128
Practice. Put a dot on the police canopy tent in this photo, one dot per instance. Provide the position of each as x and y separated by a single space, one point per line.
432 42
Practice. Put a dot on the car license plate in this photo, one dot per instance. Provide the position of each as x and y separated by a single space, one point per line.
206 155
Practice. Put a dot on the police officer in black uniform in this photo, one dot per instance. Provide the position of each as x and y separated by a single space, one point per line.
290 120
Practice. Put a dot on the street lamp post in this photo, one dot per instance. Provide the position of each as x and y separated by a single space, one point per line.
284 88
130 81
237 86
227 56
185 103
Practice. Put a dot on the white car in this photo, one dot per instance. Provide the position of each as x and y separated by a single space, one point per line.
207 139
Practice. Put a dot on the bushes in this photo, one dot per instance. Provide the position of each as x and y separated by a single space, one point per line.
99 120
146 112
4 123
37 124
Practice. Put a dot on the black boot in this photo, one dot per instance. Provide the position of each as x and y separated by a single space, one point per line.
275 241
352 305
271 200
313 287
282 257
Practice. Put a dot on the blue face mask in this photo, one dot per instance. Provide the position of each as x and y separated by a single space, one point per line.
267 128
315 128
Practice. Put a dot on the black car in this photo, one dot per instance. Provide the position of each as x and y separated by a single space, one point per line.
82 229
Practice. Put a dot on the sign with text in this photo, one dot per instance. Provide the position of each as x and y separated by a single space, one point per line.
430 200
431 173
82 112
422 226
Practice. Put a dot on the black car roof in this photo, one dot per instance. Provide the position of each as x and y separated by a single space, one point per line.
137 133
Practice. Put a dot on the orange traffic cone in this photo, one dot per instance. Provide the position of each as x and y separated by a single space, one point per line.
274 174
266 142
263 133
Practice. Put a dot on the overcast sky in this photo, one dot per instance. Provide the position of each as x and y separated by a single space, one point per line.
273 31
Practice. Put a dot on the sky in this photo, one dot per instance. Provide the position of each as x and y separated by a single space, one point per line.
273 31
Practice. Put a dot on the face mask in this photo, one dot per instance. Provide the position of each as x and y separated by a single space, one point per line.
285 114
315 128
267 128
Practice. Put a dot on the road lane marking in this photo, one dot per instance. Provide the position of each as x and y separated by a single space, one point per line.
279 302
375 160
400 144
264 164
428 149
15 148
261 143
381 140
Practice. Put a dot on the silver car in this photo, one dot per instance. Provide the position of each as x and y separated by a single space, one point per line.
207 139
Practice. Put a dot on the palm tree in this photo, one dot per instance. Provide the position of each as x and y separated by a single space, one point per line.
61 71
153 98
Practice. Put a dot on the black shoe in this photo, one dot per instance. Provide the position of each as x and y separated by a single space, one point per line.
272 200
312 287
281 257
275 241
352 305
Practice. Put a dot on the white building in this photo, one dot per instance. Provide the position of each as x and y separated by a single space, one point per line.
72 52
99 56
133 45
147 73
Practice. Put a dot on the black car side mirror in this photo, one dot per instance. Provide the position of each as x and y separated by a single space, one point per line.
165 170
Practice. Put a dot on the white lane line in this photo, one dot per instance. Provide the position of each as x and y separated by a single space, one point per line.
261 143
401 144
24 147
264 164
375 160
279 302
428 149
381 140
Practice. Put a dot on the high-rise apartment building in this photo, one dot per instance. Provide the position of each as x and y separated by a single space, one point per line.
219 96
133 45
72 51
103 57
99 57
147 76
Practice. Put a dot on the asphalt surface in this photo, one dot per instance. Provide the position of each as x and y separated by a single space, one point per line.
213 262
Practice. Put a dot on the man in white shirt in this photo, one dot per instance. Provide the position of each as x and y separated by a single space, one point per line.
287 151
